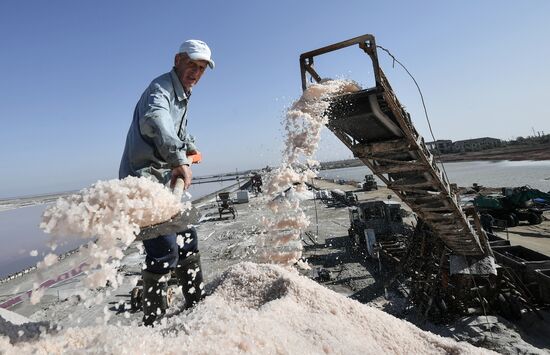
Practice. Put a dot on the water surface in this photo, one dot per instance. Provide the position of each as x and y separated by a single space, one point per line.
487 173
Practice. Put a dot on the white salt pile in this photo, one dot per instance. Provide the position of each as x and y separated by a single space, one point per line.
257 309
303 124
113 212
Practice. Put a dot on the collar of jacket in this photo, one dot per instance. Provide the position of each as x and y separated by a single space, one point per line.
178 88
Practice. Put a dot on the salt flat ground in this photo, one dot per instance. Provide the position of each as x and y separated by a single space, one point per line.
226 241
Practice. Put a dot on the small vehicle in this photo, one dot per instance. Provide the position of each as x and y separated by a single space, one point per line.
225 204
513 206
339 198
370 183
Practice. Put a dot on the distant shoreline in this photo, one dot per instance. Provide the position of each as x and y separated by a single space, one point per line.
8 203
513 153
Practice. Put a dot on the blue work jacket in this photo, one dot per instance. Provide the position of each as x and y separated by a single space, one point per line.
157 140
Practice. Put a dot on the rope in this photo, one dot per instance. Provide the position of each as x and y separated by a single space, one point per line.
480 298
423 103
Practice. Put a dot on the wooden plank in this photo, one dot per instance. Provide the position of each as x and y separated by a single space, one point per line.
389 146
401 168
421 200
408 183
438 209
454 229
439 216
426 189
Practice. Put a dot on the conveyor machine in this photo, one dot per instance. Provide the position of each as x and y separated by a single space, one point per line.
377 129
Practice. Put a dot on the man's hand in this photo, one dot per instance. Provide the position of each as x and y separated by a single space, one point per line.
183 171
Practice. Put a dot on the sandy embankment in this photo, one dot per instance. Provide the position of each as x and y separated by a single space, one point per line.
516 153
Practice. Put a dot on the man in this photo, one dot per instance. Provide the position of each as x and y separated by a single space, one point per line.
487 221
157 146
256 183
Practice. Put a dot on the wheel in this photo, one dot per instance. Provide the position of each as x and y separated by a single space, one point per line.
534 218
511 220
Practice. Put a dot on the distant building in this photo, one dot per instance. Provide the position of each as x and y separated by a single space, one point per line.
446 146
443 146
476 144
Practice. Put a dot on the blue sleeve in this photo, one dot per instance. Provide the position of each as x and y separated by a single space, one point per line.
156 123
189 142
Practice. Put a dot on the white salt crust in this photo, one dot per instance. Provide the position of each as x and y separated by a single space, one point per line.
256 309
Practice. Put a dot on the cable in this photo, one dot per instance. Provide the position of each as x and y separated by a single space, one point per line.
423 104
315 203
480 298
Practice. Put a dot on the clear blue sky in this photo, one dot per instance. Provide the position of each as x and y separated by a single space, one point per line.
72 71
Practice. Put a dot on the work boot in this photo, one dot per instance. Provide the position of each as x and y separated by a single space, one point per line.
189 274
155 304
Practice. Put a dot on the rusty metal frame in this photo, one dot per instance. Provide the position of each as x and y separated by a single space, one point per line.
365 42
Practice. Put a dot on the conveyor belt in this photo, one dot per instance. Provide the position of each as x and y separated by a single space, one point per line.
375 127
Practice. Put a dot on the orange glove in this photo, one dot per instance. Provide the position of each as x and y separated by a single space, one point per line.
195 156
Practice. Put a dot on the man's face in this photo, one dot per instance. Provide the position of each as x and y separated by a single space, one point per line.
189 71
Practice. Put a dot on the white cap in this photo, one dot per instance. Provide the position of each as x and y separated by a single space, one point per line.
197 50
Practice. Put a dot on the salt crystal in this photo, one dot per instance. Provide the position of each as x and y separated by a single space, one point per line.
36 295
303 124
112 211
48 260
264 309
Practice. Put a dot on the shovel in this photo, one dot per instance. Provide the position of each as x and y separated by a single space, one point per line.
179 222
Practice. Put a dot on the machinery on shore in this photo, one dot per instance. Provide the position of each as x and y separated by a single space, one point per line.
338 198
513 206
375 222
447 267
370 183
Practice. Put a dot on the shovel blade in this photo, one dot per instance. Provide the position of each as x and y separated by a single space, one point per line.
178 223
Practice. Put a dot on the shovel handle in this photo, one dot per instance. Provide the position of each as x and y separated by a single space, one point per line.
178 187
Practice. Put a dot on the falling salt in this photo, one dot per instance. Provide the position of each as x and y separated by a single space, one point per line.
48 260
36 295
303 124
179 240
